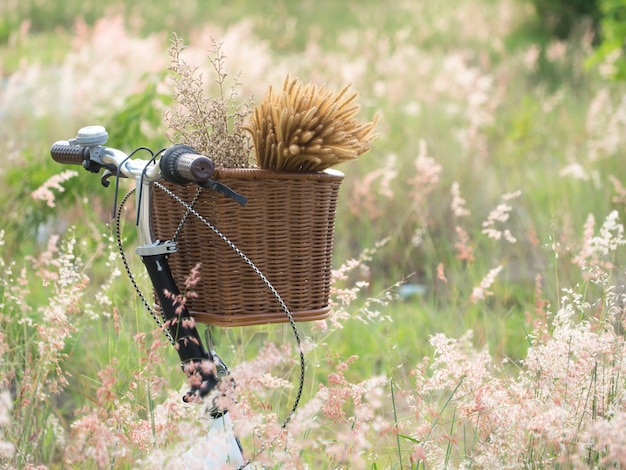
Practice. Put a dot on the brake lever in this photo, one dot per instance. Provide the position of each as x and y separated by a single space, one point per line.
225 191
109 172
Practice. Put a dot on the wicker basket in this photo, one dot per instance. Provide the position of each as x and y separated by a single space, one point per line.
286 229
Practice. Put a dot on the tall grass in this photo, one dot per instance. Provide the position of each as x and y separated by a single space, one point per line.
494 194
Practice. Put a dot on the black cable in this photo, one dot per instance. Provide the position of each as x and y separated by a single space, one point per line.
120 246
118 174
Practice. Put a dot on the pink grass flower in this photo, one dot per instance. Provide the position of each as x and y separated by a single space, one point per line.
499 216
441 275
608 436
597 251
378 182
45 193
620 190
464 251
481 291
7 449
458 204
427 173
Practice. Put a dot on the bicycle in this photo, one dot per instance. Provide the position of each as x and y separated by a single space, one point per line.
181 165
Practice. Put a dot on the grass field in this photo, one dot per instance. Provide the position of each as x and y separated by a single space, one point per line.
480 322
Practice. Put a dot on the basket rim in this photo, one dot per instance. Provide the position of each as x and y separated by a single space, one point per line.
328 174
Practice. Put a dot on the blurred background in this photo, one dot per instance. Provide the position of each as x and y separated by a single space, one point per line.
500 149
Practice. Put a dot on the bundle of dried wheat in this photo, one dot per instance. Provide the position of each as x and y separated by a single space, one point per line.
308 128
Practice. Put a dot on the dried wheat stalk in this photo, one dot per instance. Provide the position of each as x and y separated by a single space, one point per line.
308 128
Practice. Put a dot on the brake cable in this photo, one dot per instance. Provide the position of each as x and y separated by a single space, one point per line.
120 246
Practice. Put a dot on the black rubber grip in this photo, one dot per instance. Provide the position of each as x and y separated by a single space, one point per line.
63 152
181 164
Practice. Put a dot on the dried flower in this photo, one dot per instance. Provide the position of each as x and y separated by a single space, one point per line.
308 128
213 126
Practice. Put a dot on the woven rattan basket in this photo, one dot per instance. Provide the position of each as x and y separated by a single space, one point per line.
286 229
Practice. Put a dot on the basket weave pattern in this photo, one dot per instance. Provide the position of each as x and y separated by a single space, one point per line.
286 229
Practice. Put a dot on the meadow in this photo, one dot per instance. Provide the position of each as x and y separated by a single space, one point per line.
478 290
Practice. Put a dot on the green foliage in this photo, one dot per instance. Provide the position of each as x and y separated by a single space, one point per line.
139 121
610 52
561 17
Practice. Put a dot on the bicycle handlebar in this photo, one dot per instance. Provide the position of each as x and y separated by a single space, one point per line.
179 164
63 152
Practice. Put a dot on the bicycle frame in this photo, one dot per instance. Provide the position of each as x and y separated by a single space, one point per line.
205 368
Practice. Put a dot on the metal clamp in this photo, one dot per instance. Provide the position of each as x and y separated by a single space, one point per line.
157 248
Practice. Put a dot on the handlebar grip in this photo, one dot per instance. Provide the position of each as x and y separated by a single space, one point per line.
181 164
63 152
